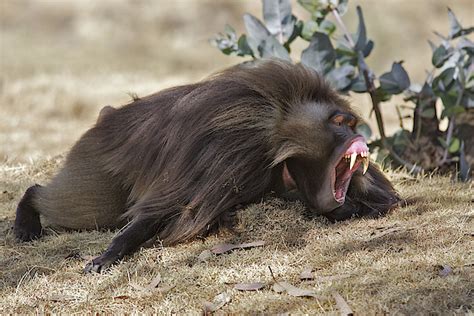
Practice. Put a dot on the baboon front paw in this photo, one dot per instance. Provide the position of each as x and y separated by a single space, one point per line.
27 235
27 231
100 264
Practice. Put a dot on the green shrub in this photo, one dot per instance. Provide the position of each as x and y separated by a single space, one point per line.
342 62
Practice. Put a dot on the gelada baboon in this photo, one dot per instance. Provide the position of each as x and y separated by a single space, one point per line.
177 163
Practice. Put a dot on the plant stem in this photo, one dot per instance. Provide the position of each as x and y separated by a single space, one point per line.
400 117
449 133
339 21
378 115
369 82
371 90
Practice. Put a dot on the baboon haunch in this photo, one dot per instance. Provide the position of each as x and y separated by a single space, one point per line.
178 162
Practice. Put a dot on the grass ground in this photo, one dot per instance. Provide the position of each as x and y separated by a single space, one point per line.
387 265
61 62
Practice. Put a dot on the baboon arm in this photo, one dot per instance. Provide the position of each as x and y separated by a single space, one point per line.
137 232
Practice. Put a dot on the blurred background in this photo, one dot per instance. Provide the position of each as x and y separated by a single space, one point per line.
61 61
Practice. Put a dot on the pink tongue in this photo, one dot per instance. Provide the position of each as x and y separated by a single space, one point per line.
357 147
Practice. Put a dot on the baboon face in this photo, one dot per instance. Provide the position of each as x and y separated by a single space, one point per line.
323 152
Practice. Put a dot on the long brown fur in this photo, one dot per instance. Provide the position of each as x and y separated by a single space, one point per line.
184 157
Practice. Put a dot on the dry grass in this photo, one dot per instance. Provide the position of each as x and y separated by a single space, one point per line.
391 262
62 61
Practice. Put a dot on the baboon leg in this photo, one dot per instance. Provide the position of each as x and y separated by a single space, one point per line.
27 222
127 242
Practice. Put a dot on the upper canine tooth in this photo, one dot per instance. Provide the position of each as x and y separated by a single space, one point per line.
365 162
353 160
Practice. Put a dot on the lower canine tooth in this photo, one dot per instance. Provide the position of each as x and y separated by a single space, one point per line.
365 162
353 160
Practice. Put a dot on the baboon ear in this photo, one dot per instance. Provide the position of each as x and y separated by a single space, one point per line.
286 151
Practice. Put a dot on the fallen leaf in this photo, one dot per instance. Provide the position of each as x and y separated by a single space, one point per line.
154 283
87 257
138 287
249 286
383 231
205 255
444 270
307 274
342 305
217 303
74 255
60 298
223 248
257 243
327 278
153 286
292 290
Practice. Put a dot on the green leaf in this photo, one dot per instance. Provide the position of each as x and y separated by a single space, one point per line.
320 54
296 32
341 78
467 100
313 5
467 45
440 55
229 30
401 138
454 145
456 29
455 26
261 42
432 46
226 42
342 7
442 141
428 113
464 166
395 81
309 28
457 109
361 35
450 98
345 54
381 95
327 27
444 81
272 48
278 18
243 47
358 84
257 33
453 110
364 130
368 48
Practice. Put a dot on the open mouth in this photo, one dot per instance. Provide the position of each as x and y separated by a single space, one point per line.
356 154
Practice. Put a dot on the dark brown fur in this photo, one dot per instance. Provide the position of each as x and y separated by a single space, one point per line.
176 162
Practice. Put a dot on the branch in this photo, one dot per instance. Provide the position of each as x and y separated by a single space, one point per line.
339 21
369 82
449 134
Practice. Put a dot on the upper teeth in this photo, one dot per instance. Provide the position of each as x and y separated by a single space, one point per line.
353 158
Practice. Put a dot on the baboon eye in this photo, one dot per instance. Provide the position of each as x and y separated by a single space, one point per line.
338 119
352 122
